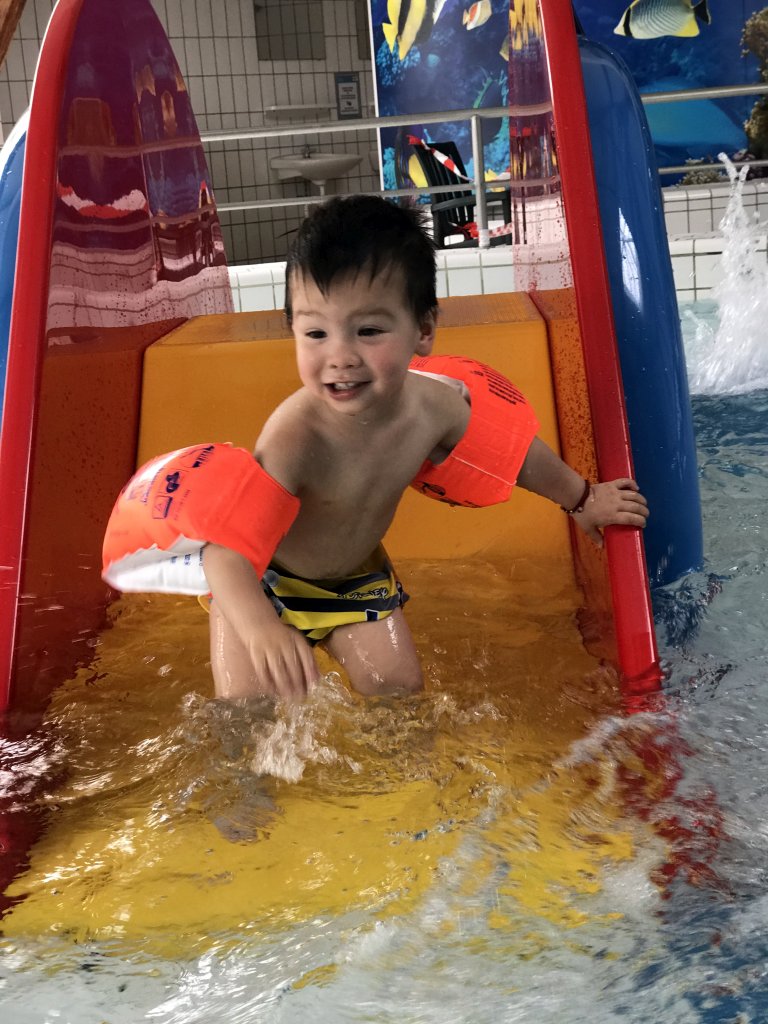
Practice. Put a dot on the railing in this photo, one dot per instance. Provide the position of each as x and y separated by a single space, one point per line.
710 93
474 116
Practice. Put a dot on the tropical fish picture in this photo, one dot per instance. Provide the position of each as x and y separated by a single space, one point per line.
683 45
650 19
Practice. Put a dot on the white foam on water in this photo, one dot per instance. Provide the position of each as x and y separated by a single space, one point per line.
731 357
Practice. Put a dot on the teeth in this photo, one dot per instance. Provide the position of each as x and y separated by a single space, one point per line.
344 385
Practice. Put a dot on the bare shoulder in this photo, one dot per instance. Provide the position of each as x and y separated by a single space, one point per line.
287 442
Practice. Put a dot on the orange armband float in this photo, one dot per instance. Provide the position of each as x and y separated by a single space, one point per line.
179 502
482 469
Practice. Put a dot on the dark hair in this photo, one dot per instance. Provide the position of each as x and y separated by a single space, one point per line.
357 234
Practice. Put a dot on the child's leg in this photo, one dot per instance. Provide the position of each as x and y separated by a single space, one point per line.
379 657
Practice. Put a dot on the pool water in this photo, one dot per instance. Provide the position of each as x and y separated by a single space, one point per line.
505 848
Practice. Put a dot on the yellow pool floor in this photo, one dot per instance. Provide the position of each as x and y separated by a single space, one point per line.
176 823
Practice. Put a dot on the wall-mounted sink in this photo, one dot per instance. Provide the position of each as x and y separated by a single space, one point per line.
318 167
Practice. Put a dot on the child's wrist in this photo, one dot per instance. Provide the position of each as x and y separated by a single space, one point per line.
579 506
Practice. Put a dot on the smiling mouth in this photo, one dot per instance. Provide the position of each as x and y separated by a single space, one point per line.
345 387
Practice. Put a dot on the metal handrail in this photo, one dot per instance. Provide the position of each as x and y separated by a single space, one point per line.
706 93
711 92
474 116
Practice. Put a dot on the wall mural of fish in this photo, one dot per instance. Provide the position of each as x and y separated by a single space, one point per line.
650 19
456 55
410 23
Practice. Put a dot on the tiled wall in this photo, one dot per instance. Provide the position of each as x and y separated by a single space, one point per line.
216 46
698 210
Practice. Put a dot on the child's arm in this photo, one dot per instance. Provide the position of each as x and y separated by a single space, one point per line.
617 502
281 661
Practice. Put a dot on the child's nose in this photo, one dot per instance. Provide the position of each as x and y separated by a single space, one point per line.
343 353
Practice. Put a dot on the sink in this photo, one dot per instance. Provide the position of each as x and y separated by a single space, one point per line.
318 167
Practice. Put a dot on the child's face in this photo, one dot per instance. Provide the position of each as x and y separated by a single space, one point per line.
353 345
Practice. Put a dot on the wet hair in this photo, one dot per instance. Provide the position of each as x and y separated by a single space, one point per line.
365 234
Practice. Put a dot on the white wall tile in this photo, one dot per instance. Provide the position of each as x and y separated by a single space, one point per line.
247 20
27 28
711 242
465 281
221 49
699 221
226 94
279 273
236 56
441 284
239 243
682 269
708 271
680 246
257 298
193 63
174 26
676 221
14 62
254 98
30 49
498 279
5 108
233 13
455 258
19 99
204 19
189 18
232 167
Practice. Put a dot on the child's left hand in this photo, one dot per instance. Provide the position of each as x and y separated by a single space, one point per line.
615 503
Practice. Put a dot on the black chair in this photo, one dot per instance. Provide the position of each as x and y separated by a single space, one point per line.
453 213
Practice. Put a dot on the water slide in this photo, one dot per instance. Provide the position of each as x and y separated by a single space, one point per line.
128 330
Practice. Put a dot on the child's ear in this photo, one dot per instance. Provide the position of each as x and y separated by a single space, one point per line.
427 329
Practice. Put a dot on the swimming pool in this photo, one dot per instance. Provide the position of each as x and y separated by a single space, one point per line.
552 862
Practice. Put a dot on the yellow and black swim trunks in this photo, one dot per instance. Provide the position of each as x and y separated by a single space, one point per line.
317 607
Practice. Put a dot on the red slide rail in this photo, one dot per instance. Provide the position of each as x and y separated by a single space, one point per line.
28 319
628 574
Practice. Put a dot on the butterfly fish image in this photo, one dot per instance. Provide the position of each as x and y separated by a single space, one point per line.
650 19
410 23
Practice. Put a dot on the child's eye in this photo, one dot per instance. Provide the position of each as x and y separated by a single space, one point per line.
316 335
369 332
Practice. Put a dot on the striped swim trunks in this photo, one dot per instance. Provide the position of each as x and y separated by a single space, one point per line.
317 607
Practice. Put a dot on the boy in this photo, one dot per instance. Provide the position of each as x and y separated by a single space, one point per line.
360 299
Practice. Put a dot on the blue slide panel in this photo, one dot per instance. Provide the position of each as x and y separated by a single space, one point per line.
11 170
646 314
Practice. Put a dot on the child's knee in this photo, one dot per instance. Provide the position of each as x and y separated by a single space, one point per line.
405 680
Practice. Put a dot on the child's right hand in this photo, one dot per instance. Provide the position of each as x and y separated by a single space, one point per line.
282 661
614 503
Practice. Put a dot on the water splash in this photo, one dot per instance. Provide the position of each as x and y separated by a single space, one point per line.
733 357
